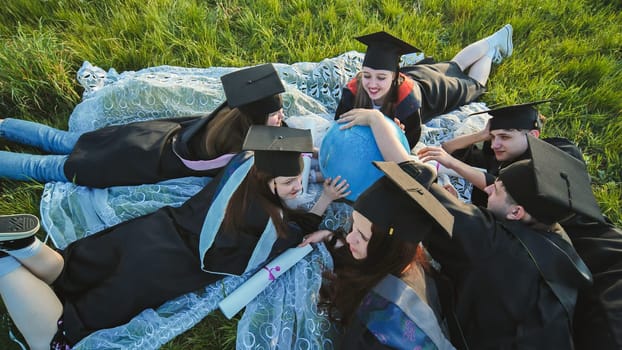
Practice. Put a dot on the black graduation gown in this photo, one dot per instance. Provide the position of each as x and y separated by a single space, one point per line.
598 317
444 87
502 301
111 276
136 153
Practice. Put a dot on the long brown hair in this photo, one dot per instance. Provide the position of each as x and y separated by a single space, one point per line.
255 189
226 132
362 100
353 279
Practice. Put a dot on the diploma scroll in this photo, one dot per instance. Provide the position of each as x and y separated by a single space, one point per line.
246 292
306 161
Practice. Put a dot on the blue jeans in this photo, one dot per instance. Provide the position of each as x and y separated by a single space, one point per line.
42 168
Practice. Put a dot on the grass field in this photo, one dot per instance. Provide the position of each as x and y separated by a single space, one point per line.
567 50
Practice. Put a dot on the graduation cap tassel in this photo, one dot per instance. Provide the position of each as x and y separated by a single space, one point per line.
565 177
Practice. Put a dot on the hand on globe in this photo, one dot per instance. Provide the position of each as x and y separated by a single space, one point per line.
358 116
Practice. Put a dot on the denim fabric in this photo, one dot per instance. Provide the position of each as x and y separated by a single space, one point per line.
41 136
42 168
28 167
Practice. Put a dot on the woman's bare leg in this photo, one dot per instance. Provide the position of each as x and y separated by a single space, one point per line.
46 264
33 306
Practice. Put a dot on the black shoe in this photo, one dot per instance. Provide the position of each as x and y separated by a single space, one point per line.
18 226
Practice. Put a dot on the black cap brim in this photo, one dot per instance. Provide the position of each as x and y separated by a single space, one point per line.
384 50
402 206
520 116
277 149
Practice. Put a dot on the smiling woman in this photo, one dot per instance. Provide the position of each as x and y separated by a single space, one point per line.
287 187
413 95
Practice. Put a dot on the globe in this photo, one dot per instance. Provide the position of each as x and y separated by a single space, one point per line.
349 153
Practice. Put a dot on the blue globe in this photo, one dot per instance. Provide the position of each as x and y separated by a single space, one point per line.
350 152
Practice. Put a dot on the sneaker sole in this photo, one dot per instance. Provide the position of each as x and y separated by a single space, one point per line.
18 226
510 45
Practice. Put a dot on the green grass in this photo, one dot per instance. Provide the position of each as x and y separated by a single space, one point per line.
566 50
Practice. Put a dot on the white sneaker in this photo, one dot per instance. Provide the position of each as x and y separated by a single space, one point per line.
501 40
496 56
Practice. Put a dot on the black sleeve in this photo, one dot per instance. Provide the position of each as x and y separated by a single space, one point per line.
474 155
413 129
480 158
565 145
346 103
474 229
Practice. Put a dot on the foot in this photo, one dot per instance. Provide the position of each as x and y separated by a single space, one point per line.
18 226
501 41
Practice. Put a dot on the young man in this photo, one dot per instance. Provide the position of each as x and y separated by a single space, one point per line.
503 143
514 274
598 319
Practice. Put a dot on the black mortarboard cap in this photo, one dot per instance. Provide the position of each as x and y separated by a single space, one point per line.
384 50
521 116
277 149
552 185
255 90
401 206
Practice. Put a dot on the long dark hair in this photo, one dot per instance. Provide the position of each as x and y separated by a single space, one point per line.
362 100
255 189
353 279
226 132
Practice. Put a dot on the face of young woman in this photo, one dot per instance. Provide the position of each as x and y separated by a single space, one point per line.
359 237
275 118
377 83
287 187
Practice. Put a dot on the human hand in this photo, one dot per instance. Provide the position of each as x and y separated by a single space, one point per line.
485 133
358 116
400 124
335 189
316 153
437 154
315 237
